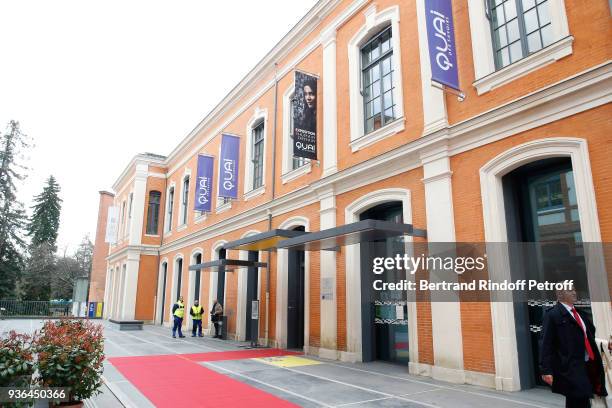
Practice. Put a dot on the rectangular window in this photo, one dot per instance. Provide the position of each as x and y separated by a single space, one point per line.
185 201
297 161
129 223
258 155
377 81
179 277
170 209
518 28
122 222
153 212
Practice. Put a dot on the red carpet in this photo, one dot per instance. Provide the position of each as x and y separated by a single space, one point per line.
178 381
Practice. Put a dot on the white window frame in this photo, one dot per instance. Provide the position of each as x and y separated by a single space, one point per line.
128 224
375 22
258 115
167 219
183 210
148 208
122 219
487 78
288 172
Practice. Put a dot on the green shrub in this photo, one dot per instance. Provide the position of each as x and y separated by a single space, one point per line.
70 354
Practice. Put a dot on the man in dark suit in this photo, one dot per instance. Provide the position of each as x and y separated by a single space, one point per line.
569 360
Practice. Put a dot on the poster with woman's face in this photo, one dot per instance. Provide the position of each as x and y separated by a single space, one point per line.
305 116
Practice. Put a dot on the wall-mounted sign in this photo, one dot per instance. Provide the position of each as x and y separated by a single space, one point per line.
112 225
327 288
441 40
203 190
228 166
305 116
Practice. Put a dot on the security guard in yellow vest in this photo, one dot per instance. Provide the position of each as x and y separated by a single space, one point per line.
196 312
178 311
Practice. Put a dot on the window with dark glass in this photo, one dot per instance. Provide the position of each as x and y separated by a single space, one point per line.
519 28
297 162
257 155
185 200
179 277
153 212
377 81
170 207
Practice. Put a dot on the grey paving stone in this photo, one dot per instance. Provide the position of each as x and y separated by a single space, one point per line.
459 399
388 403
386 384
322 390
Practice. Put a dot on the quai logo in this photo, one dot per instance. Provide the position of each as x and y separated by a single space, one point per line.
204 190
441 26
228 174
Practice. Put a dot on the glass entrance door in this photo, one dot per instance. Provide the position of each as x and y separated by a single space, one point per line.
384 313
541 201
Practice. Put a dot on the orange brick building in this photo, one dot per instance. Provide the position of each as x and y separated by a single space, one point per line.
98 263
528 148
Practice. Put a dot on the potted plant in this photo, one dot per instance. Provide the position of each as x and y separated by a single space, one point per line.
70 355
16 362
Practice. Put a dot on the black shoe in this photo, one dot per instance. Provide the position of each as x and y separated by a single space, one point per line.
182 337
199 335
193 335
174 337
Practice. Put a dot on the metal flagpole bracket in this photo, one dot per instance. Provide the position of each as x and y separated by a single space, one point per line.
460 95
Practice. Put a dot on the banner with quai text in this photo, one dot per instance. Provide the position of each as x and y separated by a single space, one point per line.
228 166
441 40
203 190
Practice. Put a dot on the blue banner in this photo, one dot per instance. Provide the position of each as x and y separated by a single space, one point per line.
441 40
203 190
228 166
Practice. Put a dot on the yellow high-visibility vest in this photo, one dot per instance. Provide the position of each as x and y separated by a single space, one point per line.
180 311
197 312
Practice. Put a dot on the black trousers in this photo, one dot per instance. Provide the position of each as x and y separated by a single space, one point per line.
577 402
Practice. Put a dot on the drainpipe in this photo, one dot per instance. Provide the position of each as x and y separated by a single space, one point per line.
273 196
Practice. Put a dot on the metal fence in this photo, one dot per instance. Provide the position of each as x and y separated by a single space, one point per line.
31 308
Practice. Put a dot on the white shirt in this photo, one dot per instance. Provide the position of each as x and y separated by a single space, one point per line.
580 323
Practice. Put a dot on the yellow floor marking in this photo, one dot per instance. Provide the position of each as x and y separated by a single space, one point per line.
288 361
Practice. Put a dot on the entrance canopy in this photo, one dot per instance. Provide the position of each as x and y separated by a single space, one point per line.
355 233
229 265
263 241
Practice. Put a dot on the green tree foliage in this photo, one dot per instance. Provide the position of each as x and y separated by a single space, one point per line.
39 272
13 144
44 223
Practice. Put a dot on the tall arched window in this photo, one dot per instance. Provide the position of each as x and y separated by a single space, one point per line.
153 212
185 200
257 154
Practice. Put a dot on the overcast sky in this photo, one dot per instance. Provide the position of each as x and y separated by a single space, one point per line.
94 83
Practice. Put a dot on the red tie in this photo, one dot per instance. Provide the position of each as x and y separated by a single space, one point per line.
586 340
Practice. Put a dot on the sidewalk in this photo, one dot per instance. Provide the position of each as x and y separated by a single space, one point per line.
313 382
154 362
